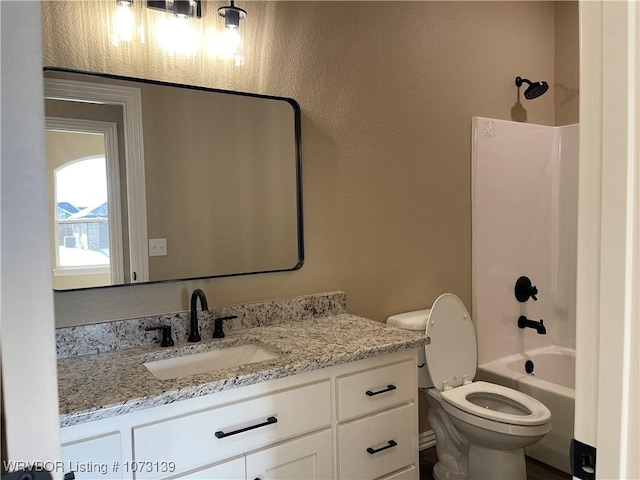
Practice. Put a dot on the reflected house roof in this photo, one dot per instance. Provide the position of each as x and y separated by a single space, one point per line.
67 211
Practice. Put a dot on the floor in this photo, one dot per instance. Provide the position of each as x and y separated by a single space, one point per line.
535 470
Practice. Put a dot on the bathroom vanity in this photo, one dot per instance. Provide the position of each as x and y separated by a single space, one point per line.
338 400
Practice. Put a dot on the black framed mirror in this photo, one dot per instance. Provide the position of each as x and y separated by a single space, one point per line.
196 182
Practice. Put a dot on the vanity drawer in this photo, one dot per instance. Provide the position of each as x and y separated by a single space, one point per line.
376 389
207 436
379 444
410 473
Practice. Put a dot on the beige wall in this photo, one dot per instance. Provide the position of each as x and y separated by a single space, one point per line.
387 91
221 182
567 66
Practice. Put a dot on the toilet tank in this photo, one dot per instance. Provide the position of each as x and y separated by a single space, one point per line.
415 321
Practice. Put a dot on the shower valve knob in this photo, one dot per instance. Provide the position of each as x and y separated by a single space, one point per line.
525 290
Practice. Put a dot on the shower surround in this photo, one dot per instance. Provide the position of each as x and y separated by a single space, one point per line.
524 213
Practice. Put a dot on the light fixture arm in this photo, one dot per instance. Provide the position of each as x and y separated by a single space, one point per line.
232 15
179 8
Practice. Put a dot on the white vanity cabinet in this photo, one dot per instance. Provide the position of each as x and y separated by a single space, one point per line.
94 457
376 408
232 429
353 421
309 457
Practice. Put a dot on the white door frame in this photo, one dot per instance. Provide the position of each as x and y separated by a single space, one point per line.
110 132
130 100
608 289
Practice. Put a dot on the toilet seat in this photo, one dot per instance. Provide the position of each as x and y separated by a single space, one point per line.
534 412
452 361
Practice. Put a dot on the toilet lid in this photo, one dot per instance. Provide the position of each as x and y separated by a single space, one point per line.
452 354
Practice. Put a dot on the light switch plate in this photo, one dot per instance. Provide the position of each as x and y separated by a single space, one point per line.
157 247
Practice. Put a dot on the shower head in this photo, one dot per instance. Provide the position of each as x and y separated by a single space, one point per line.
534 90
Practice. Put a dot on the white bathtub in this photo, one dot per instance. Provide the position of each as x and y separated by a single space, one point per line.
552 382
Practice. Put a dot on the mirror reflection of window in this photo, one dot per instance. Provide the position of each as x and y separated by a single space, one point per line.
83 222
82 214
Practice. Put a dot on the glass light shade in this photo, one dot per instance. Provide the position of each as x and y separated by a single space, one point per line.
126 25
177 35
226 45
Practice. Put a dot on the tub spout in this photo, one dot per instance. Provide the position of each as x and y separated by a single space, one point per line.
524 322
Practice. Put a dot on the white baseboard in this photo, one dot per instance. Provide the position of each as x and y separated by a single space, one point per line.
426 440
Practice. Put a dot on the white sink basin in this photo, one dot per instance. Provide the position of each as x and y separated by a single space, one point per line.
179 367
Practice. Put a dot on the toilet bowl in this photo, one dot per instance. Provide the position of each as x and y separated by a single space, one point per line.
481 428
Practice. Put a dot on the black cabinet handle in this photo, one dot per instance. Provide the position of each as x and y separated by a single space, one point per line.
270 420
390 444
384 390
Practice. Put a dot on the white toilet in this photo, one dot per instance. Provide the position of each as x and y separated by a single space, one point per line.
481 428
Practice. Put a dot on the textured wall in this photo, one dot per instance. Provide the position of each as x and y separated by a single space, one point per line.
567 63
387 91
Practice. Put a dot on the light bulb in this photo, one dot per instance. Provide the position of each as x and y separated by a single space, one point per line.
231 42
177 35
124 23
226 45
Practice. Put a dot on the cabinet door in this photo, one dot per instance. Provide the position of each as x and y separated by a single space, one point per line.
231 470
97 457
307 458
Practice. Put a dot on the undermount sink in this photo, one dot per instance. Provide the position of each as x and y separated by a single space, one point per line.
186 365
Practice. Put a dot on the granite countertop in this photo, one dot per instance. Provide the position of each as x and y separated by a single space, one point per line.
96 386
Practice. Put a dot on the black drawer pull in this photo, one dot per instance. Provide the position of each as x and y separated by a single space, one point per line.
391 443
384 390
270 420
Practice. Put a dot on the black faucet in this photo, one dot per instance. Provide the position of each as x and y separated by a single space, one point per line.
194 335
524 322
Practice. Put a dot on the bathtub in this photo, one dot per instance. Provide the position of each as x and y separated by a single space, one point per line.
552 382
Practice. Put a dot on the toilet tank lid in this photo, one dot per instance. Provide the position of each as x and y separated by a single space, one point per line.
416 320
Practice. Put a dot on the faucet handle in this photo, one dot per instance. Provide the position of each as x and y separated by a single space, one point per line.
167 341
217 326
525 289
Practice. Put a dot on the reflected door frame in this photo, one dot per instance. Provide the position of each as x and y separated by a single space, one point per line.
130 100
110 132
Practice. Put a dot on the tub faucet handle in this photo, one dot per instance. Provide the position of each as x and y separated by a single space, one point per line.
525 289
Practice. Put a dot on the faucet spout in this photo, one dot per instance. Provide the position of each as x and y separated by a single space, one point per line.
194 335
524 322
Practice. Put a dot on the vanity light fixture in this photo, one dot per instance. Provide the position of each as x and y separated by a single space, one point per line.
180 32
124 26
179 8
231 42
177 33
232 16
